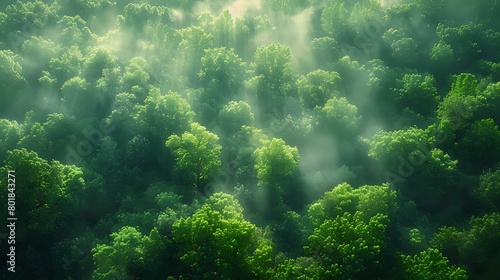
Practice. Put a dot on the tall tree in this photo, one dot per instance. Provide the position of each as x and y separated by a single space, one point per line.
274 76
196 154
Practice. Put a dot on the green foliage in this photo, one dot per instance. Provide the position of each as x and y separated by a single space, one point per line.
234 116
274 76
407 157
334 20
317 87
347 246
275 161
137 16
50 138
340 116
367 200
79 98
418 93
478 144
164 114
288 7
476 247
136 79
222 69
10 133
489 189
12 82
196 154
387 146
393 107
67 64
47 193
74 29
129 253
98 60
431 264
194 42
221 76
216 241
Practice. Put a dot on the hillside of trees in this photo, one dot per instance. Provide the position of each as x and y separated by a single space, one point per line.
260 139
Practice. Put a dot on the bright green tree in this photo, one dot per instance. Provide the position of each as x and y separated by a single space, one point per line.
196 154
274 76
340 116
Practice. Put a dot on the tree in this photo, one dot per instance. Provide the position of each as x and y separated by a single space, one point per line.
163 115
194 42
348 246
406 52
40 50
79 99
14 87
479 146
136 79
442 59
275 161
285 7
327 50
127 252
367 200
222 28
431 264
475 247
480 248
196 154
448 240
74 29
221 76
341 117
418 93
74 257
47 194
50 138
96 62
137 16
222 73
65 65
335 21
26 17
10 133
464 84
216 241
408 158
234 116
489 189
317 87
84 8
275 76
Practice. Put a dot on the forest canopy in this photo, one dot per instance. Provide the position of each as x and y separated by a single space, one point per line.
261 139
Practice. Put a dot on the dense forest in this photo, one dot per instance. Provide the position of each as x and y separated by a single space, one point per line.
260 139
